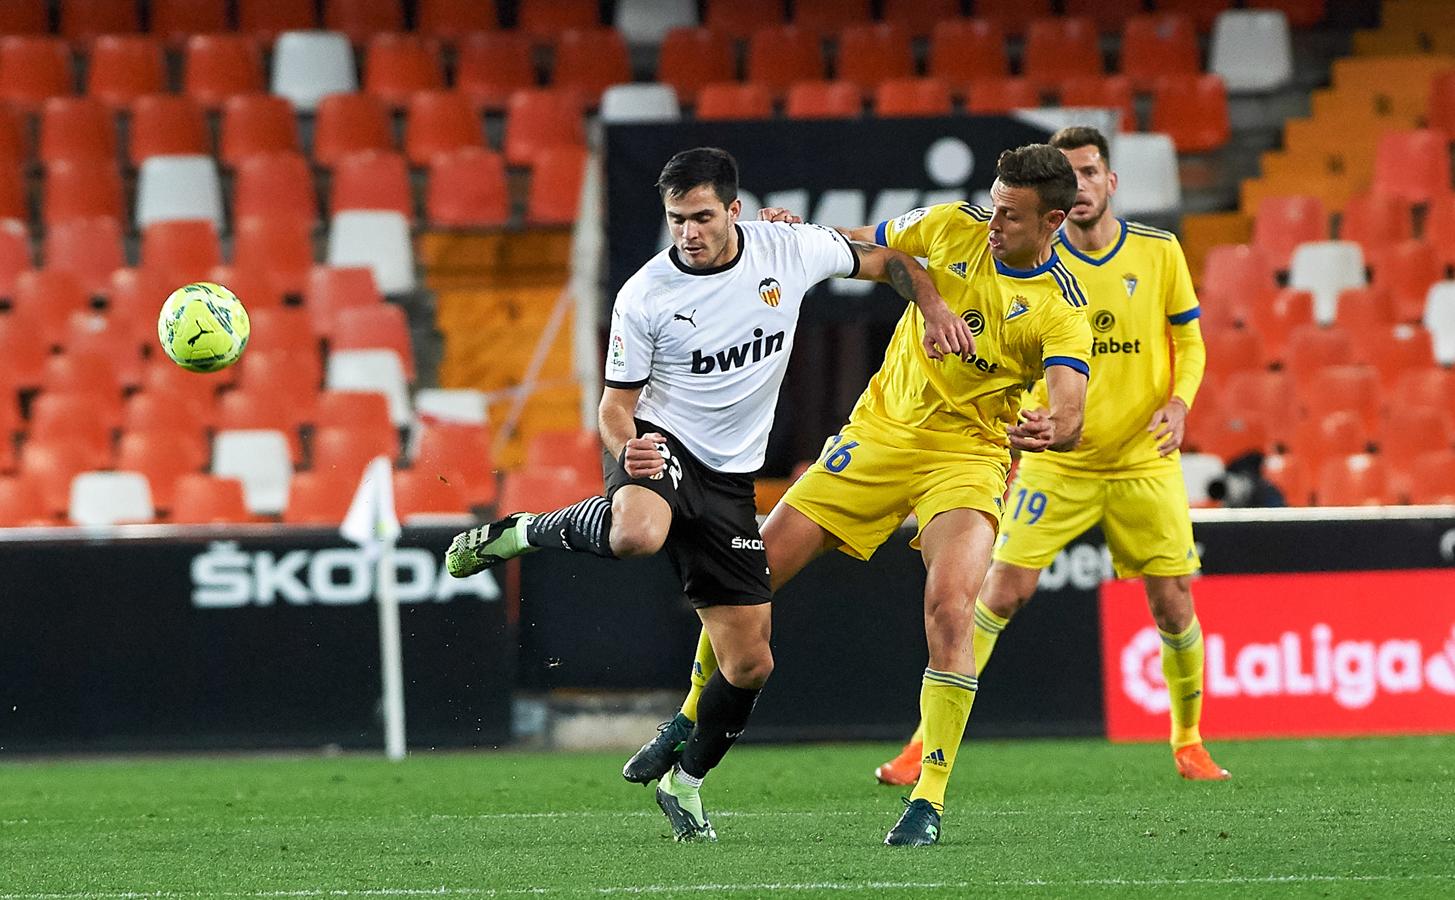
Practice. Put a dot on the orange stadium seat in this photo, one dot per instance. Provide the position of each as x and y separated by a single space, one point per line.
461 454
83 22
1312 346
361 20
422 494
150 411
779 56
919 17
1339 386
1202 13
1156 45
350 123
176 20
555 186
25 17
242 408
218 66
823 100
123 67
1112 91
82 188
332 289
347 450
1300 13
544 489
540 119
131 299
372 180
740 18
185 249
913 97
1401 446
257 123
398 65
1413 165
24 355
91 333
693 57
14 137
51 464
873 53
1001 95
319 497
168 125
89 249
1226 434
440 122
15 256
204 499
382 326
1266 395
1406 270
1012 15
1059 48
264 20
76 128
281 246
1441 104
1393 350
162 455
964 50
1363 308
252 284
451 20
45 299
1107 15
1436 478
824 17
588 61
1375 221
578 450
170 383
14 194
289 328
275 184
544 19
1193 109
724 100
1282 223
1359 479
1232 350
273 373
34 69
490 66
22 503
1289 474
467 189
1439 229
74 418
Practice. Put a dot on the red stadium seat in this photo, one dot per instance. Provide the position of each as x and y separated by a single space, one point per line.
74 418
50 465
194 393
555 187
1393 350
440 122
89 249
1157 45
873 53
1300 13
14 192
460 454
1358 479
319 497
1312 346
1339 386
361 20
155 411
1364 308
467 189
589 61
381 326
1431 387
1288 310
22 504
161 456
76 129
1411 165
202 499
544 19
1376 221
83 22
1111 91
276 373
14 138
1406 270
779 56
1059 48
253 285
541 119
350 123
1289 474
1107 15
81 189
396 66
275 184
727 100
45 299
248 409
264 20
24 17
1202 13
1439 229
94 334
216 67
347 451
422 494
186 250
168 125
176 20
1227 435
24 355
1012 15
823 100
966 50
131 298
740 18
825 17
493 65
1233 350
355 409
289 328
34 69
1435 481
1441 104
451 20
920 17
332 289
257 123
1193 109
281 246
1282 223
372 180
123 67
691 58
543 489
579 450
1266 395
1001 95
15 254
928 97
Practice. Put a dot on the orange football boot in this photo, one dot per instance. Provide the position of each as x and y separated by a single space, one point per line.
1194 764
904 768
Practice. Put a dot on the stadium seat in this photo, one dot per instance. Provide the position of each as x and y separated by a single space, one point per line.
727 100
986 96
84 21
543 489
1435 483
919 17
1300 13
1235 273
171 188
368 410
927 97
76 128
131 298
1358 479
537 120
260 459
79 189
1310 347
331 290
419 495
372 179
379 326
396 66
162 379
275 372
253 284
1439 318
1268 396
376 239
1325 268
693 57
589 61
123 67
253 124
967 50
1226 435
320 497
1400 446
460 454
1059 48
492 65
1157 45
153 412
1363 308
378 370
204 499
644 23
1282 223
281 246
362 20
1110 91
1198 471
110 498
92 333
780 55
15 256
45 299
738 19
555 188
308 66
350 123
1329 388
1413 165
871 53
264 20
34 69
274 184
174 21
823 100
458 406
348 450
22 504
1375 221
1012 15
218 66
467 189
1406 271
167 125
451 20
14 138
71 415
245 409
440 122
1147 166
24 356
50 465
89 249
24 17
1193 109
1393 350
1292 478
1233 350
826 17
639 103
1439 228
1440 107
1251 50
544 19
578 449
186 250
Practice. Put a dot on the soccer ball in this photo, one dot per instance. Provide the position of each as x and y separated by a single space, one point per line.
203 327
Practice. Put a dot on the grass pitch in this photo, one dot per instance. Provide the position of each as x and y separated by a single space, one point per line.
1027 819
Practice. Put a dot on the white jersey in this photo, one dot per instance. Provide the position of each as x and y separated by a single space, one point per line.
709 347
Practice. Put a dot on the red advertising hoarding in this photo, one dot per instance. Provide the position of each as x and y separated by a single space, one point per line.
1329 653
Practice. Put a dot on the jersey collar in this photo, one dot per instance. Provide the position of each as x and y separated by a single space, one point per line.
688 270
1092 260
1044 267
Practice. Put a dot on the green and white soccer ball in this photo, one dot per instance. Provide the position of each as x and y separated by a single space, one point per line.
203 327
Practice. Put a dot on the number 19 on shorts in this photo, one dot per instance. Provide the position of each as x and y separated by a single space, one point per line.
1034 504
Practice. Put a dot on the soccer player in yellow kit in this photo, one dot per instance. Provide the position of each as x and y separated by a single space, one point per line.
1126 472
932 438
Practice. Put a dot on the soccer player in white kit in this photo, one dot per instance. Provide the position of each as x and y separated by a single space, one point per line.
700 341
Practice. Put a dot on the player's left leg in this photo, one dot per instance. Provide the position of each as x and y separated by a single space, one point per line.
1170 599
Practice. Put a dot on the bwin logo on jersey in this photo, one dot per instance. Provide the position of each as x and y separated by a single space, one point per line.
739 356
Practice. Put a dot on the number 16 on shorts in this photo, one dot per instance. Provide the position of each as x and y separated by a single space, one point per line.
838 453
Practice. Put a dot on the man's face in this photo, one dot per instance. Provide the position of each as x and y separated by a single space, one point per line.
1095 183
701 226
1018 228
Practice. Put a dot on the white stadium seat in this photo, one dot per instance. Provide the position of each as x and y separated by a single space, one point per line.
1147 166
1324 269
170 188
451 406
640 103
1198 471
110 498
1251 50
259 459
376 239
1440 320
379 371
310 65
646 22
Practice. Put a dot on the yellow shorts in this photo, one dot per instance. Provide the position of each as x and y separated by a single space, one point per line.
1147 526
861 489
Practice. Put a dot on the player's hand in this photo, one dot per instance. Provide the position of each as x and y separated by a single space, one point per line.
1034 433
946 334
779 214
1168 426
643 459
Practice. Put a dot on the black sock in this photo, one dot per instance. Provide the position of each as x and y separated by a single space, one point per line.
722 714
584 526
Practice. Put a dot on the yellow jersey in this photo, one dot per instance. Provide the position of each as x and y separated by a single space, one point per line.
1022 320
1139 289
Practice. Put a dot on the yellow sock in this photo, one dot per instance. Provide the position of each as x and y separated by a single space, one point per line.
1182 667
703 665
945 699
988 627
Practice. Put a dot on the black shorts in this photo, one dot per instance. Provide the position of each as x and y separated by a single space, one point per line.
714 543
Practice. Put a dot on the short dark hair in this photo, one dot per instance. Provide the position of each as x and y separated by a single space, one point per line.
1042 167
700 165
1074 136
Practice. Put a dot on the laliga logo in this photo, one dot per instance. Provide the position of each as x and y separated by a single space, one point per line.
1351 672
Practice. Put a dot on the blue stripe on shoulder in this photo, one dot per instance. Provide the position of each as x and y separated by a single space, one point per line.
1069 362
1148 231
1185 316
880 234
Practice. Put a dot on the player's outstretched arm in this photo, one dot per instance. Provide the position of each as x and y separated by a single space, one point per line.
1059 428
616 418
946 334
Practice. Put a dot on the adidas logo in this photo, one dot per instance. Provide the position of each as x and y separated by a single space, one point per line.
935 757
959 268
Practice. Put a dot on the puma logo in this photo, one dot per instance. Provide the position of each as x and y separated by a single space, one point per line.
201 331
678 317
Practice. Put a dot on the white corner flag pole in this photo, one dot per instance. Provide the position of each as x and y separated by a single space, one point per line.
373 525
